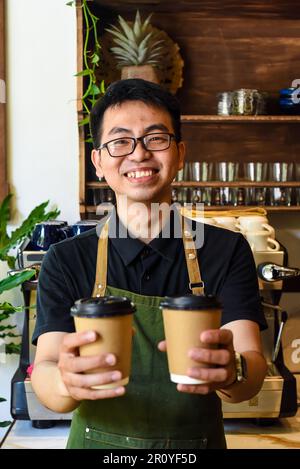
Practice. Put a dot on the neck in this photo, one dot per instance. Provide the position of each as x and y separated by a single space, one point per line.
144 220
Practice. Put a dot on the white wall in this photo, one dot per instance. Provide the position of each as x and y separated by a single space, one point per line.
42 137
42 142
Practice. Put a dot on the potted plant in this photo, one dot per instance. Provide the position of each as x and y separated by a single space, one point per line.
138 48
9 283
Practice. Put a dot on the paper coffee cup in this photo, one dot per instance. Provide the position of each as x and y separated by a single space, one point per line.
185 318
111 318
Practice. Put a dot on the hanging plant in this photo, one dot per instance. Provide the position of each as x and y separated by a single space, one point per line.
91 60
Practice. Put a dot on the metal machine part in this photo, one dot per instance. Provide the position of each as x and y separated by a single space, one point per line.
270 272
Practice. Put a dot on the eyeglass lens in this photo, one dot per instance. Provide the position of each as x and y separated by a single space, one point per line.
151 142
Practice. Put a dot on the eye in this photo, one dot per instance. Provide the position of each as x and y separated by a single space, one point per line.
157 138
121 142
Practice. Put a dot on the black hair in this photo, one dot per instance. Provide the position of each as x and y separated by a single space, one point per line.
134 89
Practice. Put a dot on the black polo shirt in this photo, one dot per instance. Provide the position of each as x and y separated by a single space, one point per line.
157 269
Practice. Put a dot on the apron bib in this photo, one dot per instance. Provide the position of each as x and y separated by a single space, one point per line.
152 414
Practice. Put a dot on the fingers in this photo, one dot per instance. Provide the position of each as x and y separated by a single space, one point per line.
210 356
76 380
74 368
211 375
162 346
72 341
75 364
217 336
195 388
80 394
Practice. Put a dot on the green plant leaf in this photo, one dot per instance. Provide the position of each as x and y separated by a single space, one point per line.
37 215
94 90
2 399
9 334
95 58
83 73
118 34
4 218
126 28
127 48
11 260
70 4
102 87
5 423
13 348
84 121
8 327
137 23
89 140
146 23
15 280
4 316
8 307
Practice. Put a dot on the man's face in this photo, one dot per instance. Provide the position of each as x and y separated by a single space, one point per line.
143 176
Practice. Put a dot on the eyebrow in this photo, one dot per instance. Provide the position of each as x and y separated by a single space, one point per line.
150 128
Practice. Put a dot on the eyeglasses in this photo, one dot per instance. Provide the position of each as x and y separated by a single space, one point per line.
126 145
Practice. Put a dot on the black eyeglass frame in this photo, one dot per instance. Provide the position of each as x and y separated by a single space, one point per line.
135 141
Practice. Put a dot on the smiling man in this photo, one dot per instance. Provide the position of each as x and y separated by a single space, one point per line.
138 149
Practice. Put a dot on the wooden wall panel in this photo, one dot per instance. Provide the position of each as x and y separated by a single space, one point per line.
242 142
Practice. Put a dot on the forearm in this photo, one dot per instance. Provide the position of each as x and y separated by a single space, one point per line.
242 391
50 389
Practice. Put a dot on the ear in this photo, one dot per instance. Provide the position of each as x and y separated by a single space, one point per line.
96 160
181 151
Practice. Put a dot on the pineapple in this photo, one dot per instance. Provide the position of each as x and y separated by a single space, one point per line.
136 44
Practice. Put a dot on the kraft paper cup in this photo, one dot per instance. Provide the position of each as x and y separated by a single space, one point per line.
111 318
185 318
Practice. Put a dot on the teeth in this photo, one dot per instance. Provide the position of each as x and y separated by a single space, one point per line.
140 174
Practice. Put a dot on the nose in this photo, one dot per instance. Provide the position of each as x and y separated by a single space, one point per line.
140 153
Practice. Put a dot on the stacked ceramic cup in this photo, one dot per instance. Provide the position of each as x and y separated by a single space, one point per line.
258 232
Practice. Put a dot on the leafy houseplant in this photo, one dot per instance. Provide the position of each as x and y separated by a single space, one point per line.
8 242
91 60
138 48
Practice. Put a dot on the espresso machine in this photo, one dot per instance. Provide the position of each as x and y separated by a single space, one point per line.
24 403
278 395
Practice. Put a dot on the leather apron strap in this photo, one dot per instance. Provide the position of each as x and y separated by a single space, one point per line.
196 284
101 265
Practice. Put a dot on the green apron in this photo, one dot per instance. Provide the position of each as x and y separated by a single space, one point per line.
152 414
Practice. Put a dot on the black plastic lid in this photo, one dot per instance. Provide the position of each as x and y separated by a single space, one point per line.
195 302
102 306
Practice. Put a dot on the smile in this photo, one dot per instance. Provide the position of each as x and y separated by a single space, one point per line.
141 173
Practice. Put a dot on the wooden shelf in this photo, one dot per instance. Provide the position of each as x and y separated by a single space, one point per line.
233 42
104 185
292 208
212 119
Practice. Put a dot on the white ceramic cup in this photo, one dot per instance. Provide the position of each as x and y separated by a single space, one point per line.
230 223
261 241
255 223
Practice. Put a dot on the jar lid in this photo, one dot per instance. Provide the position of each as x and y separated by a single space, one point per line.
191 302
287 91
102 306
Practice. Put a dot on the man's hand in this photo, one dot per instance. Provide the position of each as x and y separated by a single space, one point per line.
221 362
72 368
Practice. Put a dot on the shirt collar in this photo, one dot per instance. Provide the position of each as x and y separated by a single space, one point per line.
165 244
